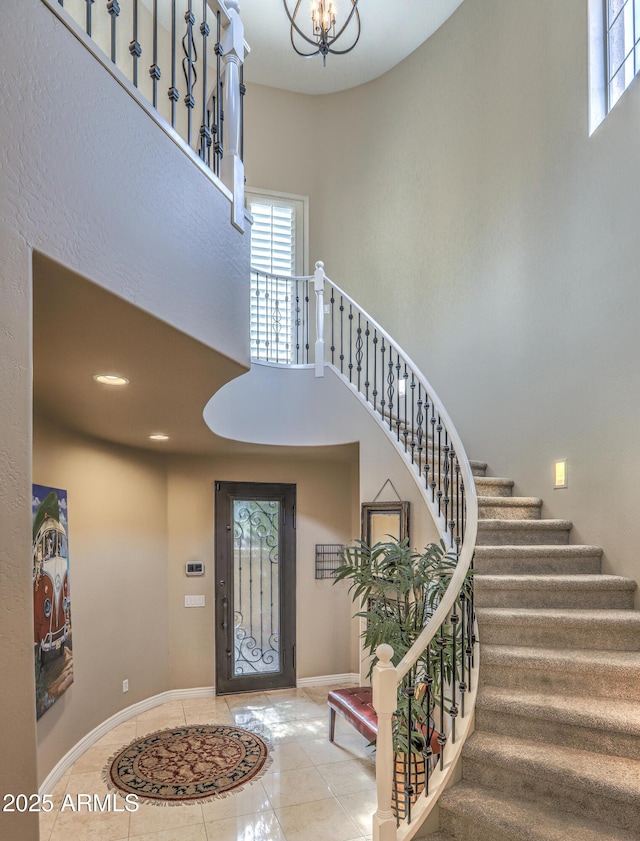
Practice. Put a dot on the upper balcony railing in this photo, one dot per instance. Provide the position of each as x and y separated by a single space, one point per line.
438 675
182 60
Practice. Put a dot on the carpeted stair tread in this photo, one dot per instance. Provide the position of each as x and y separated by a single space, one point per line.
613 777
538 560
602 628
509 507
611 674
554 582
493 486
483 814
478 468
497 532
562 591
597 714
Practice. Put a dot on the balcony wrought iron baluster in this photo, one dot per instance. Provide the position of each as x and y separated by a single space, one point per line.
205 131
113 8
439 491
307 325
216 130
154 70
189 67
135 50
172 93
405 398
88 16
445 480
333 340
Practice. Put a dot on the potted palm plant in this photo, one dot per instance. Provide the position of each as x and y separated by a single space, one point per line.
398 590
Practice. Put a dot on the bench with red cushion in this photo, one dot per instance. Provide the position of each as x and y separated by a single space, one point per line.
355 705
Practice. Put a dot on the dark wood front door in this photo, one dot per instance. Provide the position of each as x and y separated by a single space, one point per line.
255 586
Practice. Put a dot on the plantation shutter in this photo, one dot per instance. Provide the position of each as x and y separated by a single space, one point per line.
273 241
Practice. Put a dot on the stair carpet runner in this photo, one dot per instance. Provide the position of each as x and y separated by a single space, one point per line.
555 754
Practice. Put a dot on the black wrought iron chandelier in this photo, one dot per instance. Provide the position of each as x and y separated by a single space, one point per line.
321 31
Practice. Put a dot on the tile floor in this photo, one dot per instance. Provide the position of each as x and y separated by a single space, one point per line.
312 791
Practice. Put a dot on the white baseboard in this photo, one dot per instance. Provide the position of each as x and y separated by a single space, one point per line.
326 680
109 724
140 707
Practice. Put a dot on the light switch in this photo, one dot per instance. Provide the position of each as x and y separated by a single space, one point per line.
194 601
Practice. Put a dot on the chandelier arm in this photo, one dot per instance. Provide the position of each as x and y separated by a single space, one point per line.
354 9
295 26
348 49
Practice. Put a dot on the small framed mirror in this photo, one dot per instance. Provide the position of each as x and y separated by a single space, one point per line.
382 520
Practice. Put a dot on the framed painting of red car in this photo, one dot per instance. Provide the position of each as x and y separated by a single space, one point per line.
52 642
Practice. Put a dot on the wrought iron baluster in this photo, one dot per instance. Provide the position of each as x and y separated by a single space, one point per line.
439 491
454 658
413 418
463 659
298 321
445 479
409 788
419 432
113 7
135 50
306 322
333 341
427 750
341 335
154 70
383 402
375 368
442 736
390 389
268 331
189 66
172 93
350 366
433 454
405 397
205 131
367 333
359 344
243 91
216 128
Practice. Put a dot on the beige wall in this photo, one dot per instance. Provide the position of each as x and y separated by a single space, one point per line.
465 206
327 512
118 557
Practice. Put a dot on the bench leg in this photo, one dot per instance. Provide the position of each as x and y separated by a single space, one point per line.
332 723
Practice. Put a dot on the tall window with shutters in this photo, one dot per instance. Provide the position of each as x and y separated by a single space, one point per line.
278 251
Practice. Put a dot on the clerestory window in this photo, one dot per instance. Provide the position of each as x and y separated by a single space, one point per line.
622 46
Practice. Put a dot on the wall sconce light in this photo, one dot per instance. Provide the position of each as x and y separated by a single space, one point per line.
560 473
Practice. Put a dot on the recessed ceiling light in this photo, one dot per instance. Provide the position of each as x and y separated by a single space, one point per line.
159 436
110 379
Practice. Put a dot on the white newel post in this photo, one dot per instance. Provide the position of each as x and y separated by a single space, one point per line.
385 702
231 165
318 282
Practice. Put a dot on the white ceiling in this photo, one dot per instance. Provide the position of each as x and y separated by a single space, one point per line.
391 30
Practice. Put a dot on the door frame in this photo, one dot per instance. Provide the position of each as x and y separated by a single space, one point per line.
225 494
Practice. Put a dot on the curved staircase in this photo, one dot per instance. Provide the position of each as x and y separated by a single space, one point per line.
556 750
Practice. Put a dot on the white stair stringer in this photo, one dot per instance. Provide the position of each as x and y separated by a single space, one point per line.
555 754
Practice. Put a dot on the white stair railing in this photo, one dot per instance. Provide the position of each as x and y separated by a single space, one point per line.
396 393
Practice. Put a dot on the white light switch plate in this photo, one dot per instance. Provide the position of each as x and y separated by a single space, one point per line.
194 601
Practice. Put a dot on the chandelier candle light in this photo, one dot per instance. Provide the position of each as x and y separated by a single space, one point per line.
322 34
